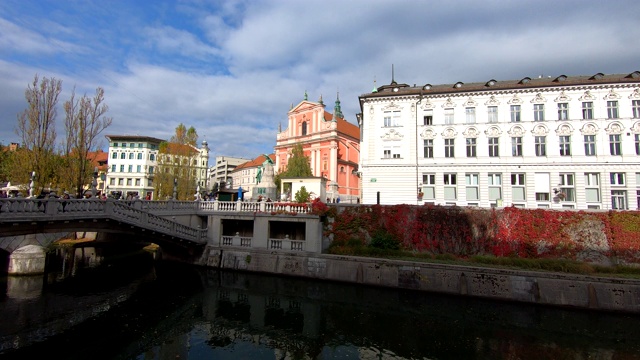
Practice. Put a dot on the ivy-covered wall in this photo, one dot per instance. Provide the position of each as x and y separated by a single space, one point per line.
604 237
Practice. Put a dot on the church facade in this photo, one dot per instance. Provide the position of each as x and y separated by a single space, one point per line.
331 143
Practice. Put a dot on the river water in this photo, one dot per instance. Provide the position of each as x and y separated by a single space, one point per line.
138 309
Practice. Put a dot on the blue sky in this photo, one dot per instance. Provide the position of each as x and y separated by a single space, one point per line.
232 69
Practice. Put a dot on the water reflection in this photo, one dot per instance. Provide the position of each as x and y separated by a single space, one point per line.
191 313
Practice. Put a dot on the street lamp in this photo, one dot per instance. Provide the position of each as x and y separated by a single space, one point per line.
175 188
94 183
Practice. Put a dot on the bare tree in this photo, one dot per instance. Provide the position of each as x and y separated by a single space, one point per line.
36 129
84 120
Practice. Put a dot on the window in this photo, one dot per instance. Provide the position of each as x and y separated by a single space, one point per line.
113 168
123 156
124 145
615 146
617 179
121 168
538 112
471 147
495 186
427 119
139 156
140 145
448 116
637 141
565 145
563 111
129 182
450 187
590 145
470 115
515 113
115 144
150 170
493 114
612 109
138 168
392 118
516 146
132 145
114 155
493 147
304 127
429 186
131 155
619 199
137 182
473 192
449 148
393 153
587 110
592 187
518 192
121 180
112 181
130 168
152 157
635 107
542 188
541 145
567 188
428 148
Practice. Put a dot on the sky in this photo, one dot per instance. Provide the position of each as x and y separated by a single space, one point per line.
233 69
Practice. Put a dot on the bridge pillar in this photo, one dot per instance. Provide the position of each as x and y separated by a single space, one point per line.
27 260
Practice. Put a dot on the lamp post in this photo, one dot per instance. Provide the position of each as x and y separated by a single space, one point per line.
175 188
32 184
94 183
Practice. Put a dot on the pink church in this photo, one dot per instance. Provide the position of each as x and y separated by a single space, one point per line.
331 143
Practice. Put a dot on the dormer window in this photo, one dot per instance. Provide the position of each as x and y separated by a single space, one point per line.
634 75
458 85
426 87
597 76
490 83
524 80
560 78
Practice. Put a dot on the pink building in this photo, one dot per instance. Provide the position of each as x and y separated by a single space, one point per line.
331 143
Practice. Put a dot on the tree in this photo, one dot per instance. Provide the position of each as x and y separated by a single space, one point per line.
176 162
297 166
84 120
36 129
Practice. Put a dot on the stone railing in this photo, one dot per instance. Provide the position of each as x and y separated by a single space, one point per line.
286 244
22 209
237 240
245 206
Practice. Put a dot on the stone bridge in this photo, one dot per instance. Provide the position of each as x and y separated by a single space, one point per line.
191 225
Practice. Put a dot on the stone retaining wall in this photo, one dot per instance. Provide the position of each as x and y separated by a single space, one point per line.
556 289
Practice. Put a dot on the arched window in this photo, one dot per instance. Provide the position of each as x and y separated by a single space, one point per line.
304 128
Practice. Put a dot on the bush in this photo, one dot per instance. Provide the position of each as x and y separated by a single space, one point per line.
302 195
384 240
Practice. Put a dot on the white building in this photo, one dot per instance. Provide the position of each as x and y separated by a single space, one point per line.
221 171
245 174
132 164
554 142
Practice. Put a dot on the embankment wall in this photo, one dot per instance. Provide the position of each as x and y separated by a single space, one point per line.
555 289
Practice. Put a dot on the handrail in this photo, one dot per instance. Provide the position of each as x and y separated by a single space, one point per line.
16 209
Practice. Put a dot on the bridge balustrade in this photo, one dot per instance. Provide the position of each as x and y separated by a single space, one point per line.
286 243
237 240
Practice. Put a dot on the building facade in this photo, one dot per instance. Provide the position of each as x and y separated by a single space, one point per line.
330 142
133 165
133 161
246 175
221 171
546 142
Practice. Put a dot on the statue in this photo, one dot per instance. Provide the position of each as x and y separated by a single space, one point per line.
259 175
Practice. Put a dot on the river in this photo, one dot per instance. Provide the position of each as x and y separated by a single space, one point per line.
138 309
